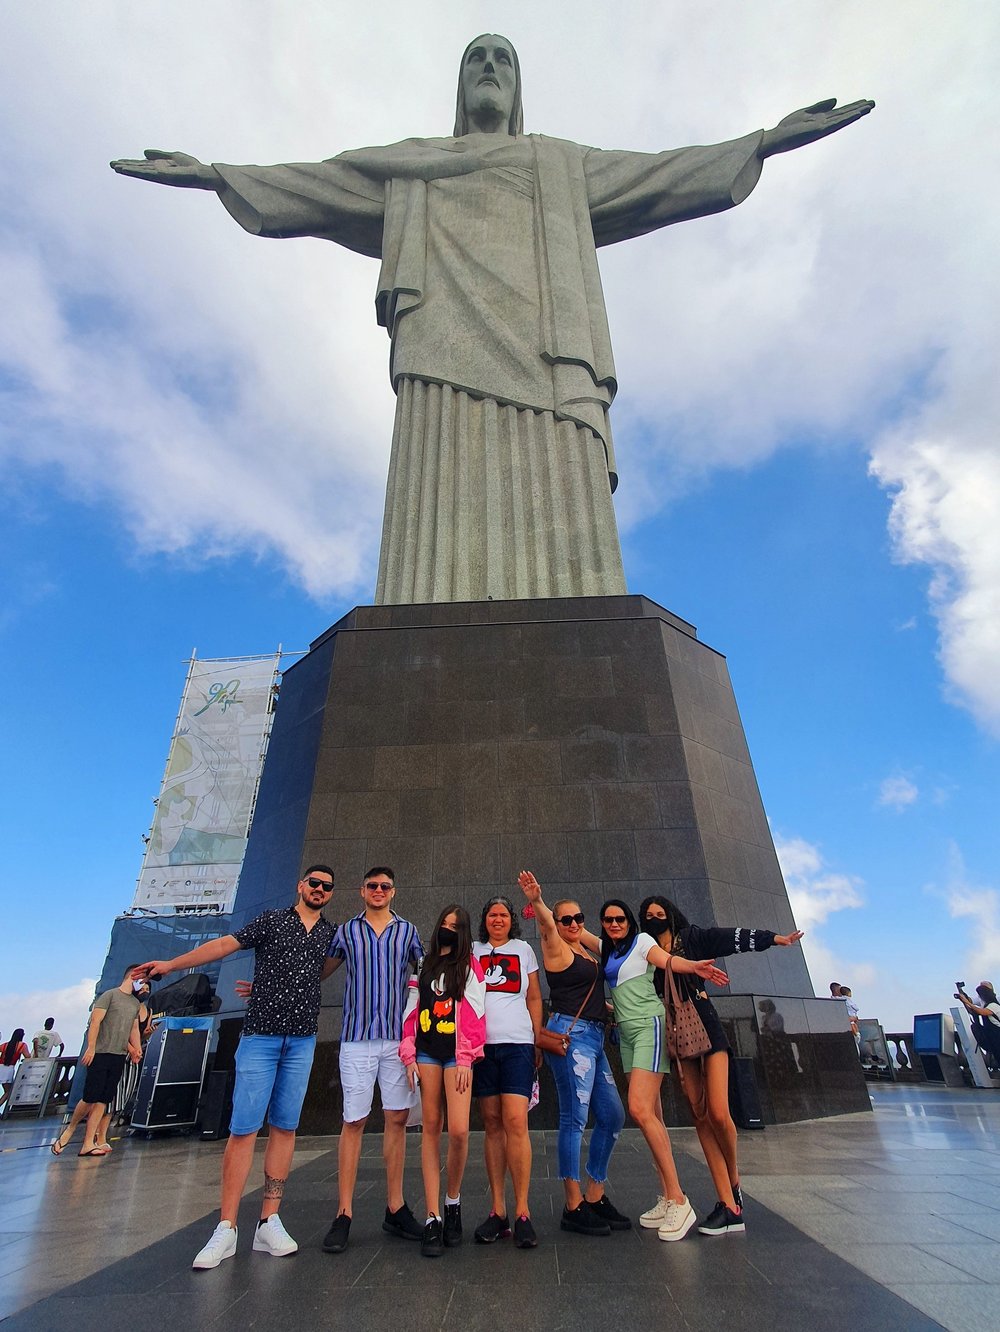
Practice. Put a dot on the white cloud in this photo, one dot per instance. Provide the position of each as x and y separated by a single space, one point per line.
897 792
943 471
816 893
978 904
69 1006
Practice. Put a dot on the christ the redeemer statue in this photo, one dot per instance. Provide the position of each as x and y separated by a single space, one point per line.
502 465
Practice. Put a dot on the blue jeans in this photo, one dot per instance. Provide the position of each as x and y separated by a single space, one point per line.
272 1074
584 1082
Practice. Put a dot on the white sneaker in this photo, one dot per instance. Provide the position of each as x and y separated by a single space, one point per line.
273 1238
221 1245
679 1219
654 1218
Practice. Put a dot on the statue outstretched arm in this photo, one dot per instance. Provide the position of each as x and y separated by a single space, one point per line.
167 168
809 124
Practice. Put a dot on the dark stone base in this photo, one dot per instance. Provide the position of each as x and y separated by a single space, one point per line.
594 741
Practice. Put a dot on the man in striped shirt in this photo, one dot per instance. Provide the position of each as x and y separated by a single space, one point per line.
379 951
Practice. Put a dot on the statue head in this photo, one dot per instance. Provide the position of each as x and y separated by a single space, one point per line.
489 86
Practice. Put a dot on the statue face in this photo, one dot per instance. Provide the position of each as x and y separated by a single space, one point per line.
489 81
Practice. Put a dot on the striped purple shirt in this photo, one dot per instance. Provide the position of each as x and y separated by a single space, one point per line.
378 968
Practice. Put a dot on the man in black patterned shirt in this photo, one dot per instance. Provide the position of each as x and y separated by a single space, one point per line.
275 1052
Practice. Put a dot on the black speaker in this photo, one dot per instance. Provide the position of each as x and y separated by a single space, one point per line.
170 1082
216 1104
744 1098
170 1104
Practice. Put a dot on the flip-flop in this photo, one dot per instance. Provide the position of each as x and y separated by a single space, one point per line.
94 1151
58 1147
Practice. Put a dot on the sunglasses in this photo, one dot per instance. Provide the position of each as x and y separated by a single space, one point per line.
578 919
320 883
378 887
614 920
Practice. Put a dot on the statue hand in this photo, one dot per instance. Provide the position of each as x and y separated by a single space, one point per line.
166 168
811 123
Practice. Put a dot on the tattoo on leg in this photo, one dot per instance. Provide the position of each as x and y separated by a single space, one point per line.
273 1188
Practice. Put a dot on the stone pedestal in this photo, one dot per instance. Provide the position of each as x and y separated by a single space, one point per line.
594 741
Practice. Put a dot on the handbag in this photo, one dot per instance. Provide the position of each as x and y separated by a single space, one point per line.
557 1042
685 1031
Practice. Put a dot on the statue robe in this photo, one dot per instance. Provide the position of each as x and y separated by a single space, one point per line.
502 464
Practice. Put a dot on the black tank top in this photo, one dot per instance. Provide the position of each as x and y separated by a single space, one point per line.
567 990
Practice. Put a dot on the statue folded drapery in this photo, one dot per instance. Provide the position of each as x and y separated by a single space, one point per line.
502 462
502 465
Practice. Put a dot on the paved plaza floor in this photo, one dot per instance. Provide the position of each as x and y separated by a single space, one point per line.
885 1221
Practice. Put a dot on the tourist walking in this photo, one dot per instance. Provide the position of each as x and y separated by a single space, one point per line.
12 1052
379 951
705 1081
112 1037
502 1080
275 1053
444 1032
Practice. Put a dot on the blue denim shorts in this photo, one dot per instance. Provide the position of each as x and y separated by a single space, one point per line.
429 1059
272 1074
506 1069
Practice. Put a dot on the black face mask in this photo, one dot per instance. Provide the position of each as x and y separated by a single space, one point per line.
447 938
654 925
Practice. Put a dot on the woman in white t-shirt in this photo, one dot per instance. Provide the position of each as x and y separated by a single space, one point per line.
503 1078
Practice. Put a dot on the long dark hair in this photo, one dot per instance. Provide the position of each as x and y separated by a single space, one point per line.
610 948
675 922
515 124
515 924
453 966
13 1045
676 919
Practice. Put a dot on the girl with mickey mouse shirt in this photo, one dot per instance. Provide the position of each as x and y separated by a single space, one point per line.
444 1030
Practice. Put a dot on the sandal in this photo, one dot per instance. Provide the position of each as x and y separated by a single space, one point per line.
58 1147
95 1151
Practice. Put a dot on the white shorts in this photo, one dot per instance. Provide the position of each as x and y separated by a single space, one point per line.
362 1063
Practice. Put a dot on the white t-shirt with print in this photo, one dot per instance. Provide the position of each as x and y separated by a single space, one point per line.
507 968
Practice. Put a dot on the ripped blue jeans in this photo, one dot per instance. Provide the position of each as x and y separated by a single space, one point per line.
584 1082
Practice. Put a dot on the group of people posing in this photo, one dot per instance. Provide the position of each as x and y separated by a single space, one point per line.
463 1019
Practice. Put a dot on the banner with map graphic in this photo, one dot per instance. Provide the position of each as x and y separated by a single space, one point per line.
199 832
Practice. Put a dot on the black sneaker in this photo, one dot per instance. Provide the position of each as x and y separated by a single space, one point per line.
584 1220
403 1224
493 1228
524 1233
337 1236
722 1221
607 1211
738 1196
431 1242
452 1225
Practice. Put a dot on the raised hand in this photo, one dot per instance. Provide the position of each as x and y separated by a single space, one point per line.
530 886
786 940
811 123
169 168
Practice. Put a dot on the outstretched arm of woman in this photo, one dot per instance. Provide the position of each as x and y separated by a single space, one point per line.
706 969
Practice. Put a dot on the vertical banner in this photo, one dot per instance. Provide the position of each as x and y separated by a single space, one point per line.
203 813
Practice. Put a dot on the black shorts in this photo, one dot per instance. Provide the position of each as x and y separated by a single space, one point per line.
716 1034
103 1076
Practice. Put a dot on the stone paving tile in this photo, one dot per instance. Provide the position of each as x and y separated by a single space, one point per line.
957 1308
892 1264
978 1259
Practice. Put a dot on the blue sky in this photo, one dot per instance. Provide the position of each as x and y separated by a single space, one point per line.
194 430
